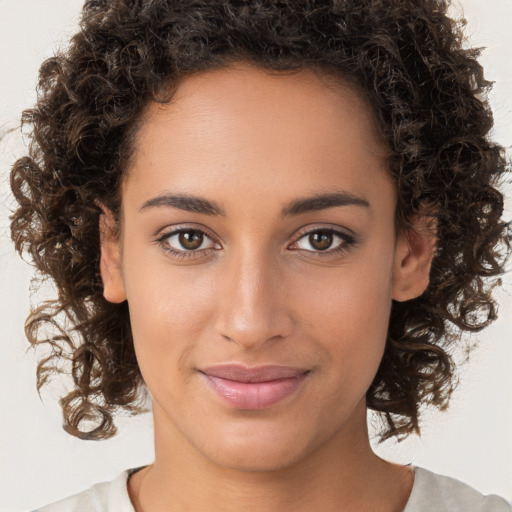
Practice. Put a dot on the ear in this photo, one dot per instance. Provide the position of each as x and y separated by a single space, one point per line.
415 250
110 258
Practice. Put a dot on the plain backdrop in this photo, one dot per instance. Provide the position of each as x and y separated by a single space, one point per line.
40 463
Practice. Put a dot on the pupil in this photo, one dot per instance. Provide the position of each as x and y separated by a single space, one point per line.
191 239
320 240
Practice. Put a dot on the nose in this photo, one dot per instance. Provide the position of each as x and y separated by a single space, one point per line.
252 308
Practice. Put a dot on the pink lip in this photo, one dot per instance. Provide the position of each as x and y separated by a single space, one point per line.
253 388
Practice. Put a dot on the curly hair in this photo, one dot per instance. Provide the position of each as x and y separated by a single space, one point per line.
428 95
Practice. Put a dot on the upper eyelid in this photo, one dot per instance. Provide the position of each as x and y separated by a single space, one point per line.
169 231
326 227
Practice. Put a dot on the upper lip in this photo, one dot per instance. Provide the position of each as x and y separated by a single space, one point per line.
241 373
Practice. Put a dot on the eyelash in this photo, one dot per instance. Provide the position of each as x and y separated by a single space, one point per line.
347 241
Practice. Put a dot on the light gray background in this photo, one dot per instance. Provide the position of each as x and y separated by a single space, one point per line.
40 463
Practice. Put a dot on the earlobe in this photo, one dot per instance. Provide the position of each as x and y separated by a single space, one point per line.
110 260
413 258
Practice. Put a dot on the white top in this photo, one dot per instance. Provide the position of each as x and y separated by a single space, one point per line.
430 493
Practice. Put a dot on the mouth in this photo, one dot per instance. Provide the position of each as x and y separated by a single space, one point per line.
253 388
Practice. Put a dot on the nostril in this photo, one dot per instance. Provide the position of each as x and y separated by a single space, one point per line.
253 334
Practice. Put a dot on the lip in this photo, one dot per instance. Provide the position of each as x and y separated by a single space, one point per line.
253 388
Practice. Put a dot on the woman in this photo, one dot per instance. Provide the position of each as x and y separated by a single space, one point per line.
274 216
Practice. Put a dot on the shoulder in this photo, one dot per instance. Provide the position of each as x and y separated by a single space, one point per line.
444 494
102 497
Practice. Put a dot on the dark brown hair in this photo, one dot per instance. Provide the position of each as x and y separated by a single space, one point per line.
428 95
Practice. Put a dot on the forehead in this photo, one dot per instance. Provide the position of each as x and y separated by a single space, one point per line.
272 128
248 89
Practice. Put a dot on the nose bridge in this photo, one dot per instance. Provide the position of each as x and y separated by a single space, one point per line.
252 309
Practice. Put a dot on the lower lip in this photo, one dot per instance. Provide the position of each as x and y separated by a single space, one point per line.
254 395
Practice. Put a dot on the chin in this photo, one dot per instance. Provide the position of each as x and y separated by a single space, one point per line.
252 449
256 459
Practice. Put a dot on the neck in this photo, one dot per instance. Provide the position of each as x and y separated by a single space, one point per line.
342 474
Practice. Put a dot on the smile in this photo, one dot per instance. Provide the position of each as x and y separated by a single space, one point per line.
253 388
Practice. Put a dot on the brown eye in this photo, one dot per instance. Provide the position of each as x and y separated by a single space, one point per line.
328 241
187 241
191 240
321 240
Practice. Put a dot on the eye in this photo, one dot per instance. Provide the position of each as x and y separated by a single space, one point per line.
325 240
186 242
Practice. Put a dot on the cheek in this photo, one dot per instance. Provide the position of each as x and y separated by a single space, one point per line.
169 310
348 316
354 297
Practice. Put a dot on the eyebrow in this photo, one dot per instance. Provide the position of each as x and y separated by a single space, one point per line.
322 202
317 202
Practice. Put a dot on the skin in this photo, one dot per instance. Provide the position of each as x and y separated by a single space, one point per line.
258 291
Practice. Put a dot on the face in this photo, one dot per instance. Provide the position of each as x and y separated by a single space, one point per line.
259 258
